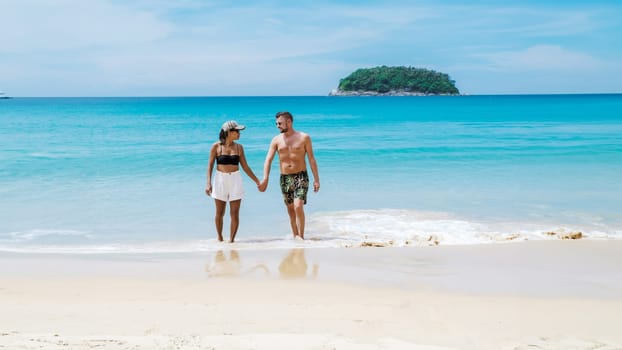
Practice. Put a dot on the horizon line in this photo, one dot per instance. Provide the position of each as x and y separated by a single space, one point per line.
289 96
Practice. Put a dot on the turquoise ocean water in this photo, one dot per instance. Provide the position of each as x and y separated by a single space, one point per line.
91 175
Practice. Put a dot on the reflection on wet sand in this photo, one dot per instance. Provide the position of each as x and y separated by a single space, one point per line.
232 266
294 265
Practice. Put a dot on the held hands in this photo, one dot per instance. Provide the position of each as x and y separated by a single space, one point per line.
263 185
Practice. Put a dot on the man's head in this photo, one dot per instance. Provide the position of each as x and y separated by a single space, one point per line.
284 121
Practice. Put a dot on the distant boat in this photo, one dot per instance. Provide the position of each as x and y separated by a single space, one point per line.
3 96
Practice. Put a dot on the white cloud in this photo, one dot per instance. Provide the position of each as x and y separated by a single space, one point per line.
115 47
281 32
111 45
543 57
56 25
541 22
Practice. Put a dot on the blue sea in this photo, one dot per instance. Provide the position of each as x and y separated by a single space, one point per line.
125 175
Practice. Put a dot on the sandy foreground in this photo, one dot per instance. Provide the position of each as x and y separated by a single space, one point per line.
527 295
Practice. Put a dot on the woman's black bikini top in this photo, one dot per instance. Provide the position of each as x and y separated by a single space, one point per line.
228 159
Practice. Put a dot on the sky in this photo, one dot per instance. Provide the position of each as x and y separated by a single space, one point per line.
282 48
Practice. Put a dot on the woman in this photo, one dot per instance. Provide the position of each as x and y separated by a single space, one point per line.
227 183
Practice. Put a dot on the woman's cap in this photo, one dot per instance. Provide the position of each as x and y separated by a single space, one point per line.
232 125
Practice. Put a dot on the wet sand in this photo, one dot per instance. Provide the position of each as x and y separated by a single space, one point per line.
524 295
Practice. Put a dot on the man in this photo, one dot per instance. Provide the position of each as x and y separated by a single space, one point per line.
293 146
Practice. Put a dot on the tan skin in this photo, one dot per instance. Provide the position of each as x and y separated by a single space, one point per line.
230 147
292 147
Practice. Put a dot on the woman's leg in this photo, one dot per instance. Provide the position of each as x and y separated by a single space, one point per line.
220 214
234 211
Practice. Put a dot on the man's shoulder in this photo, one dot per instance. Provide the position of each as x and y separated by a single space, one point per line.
303 135
276 140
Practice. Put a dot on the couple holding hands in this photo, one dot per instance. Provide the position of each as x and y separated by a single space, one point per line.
225 186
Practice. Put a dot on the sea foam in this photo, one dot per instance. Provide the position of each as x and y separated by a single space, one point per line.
336 229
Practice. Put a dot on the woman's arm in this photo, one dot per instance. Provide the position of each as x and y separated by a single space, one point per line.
210 168
246 168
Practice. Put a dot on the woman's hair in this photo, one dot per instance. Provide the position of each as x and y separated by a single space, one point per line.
223 136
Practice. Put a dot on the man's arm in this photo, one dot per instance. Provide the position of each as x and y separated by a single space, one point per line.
267 164
312 163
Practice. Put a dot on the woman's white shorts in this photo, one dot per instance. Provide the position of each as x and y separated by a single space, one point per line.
227 186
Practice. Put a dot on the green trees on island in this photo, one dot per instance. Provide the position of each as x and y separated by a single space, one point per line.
399 79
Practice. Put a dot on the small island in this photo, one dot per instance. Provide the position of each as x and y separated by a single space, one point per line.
395 81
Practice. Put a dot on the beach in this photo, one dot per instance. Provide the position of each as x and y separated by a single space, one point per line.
472 222
564 294
459 164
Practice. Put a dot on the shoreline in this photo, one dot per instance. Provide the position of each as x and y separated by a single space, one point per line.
556 295
337 92
472 268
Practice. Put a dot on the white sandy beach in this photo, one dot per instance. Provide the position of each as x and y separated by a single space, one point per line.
527 295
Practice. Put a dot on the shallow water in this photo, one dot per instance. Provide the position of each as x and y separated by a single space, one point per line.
127 174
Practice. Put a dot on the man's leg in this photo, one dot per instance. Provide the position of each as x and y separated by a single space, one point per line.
299 211
291 212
